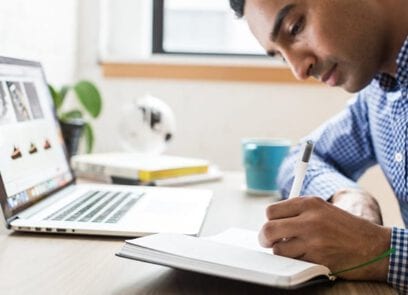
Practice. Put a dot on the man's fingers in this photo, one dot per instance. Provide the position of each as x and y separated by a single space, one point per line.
294 248
292 207
276 230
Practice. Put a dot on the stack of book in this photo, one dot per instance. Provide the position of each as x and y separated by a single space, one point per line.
143 169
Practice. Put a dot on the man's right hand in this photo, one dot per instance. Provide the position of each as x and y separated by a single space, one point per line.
311 229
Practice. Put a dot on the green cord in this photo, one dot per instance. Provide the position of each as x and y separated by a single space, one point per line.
378 258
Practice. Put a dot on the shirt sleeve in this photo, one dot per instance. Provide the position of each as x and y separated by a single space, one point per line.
397 273
343 152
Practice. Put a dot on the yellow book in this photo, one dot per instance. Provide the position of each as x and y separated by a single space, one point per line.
145 175
138 166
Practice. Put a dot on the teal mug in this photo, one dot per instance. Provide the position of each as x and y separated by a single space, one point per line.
262 159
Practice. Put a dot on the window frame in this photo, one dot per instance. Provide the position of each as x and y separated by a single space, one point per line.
158 38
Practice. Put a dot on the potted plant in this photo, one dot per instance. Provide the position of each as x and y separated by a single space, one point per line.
75 122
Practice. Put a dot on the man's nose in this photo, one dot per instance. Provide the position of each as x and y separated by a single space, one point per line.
301 65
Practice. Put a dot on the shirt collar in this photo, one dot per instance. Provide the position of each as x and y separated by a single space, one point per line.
390 83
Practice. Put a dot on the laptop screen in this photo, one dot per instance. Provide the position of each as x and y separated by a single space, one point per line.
32 155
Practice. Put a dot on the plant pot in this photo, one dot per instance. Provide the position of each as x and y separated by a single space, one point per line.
72 131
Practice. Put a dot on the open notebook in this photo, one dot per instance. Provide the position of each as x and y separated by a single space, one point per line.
232 254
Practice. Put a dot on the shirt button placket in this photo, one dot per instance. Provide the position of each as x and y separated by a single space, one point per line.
399 160
398 157
404 163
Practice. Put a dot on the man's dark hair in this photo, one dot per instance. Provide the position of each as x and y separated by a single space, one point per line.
238 7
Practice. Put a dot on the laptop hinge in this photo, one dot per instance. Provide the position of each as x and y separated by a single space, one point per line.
11 219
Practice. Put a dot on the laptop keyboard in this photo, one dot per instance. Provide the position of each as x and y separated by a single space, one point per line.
98 207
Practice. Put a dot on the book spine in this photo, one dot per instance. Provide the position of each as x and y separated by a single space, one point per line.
90 171
169 173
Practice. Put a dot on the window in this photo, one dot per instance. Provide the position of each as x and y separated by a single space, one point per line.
201 27
177 27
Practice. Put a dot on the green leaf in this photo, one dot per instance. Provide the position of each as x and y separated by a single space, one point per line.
89 97
74 114
89 137
63 92
56 97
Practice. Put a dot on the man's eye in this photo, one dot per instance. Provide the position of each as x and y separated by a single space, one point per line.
296 28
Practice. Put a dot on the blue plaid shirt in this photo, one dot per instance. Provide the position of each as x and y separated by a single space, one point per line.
373 129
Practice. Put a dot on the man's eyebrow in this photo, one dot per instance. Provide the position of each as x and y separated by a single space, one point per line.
280 17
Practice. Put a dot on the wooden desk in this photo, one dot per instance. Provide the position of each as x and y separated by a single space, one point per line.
54 264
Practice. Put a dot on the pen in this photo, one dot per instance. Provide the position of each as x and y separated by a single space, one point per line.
301 168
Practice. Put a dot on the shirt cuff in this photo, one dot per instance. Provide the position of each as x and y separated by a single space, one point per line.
398 266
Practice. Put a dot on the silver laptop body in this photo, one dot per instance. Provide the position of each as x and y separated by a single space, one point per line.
38 192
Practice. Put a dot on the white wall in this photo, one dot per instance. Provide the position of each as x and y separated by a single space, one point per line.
213 117
136 15
41 30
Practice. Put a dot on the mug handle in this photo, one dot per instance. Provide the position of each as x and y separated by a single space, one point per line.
251 154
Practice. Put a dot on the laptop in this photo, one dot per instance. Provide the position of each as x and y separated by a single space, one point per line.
38 192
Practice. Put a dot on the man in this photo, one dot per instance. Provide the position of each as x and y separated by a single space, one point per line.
361 46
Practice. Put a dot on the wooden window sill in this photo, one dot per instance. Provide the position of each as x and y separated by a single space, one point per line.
201 71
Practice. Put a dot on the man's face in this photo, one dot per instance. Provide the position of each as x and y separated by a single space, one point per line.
339 42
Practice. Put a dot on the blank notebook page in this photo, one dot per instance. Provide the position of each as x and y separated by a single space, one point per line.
218 253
